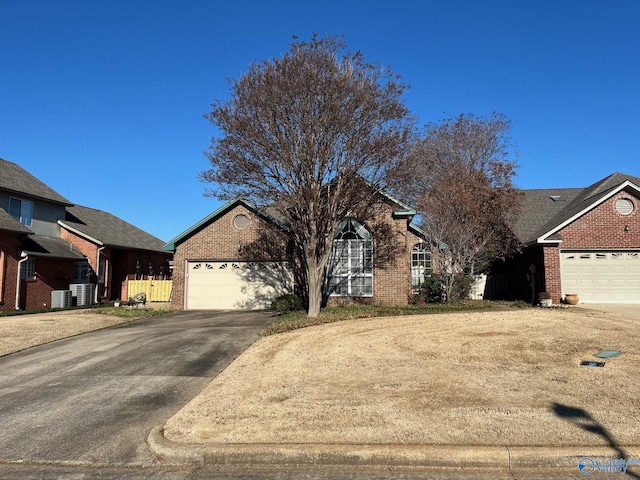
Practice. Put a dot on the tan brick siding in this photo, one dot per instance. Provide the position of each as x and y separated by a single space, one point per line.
220 240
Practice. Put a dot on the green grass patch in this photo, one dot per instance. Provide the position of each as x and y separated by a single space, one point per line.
127 312
104 309
295 320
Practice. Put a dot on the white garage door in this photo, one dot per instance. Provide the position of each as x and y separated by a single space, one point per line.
602 277
236 285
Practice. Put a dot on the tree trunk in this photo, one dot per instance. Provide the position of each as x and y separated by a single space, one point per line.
316 282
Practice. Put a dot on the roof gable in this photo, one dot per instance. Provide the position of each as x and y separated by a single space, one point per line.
15 179
542 217
105 229
213 216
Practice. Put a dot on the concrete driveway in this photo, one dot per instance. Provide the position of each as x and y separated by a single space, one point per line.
92 399
624 309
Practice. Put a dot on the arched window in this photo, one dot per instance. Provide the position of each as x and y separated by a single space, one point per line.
420 265
350 270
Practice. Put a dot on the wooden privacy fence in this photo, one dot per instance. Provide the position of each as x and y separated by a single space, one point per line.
156 290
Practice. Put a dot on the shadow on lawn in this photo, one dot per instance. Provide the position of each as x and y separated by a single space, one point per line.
582 419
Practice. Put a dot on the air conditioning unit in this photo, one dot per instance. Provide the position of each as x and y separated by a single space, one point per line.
61 298
82 293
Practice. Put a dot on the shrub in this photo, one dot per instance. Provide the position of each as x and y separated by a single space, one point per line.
287 303
432 289
462 285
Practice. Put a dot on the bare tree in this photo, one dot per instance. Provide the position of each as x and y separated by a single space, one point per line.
460 176
299 133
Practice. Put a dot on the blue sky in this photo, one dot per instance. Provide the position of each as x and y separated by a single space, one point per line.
103 99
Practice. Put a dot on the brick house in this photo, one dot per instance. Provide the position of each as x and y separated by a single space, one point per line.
47 244
576 240
11 233
240 257
116 251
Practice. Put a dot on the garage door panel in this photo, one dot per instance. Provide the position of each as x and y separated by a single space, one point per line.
602 277
619 283
600 282
585 269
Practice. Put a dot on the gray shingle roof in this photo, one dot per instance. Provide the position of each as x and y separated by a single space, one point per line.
7 222
538 207
540 214
53 247
108 230
14 178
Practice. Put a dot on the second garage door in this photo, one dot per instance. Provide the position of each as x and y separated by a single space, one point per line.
601 276
236 285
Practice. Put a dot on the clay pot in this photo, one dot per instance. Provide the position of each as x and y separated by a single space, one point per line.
571 299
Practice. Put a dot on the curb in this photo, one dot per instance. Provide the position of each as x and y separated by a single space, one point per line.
425 456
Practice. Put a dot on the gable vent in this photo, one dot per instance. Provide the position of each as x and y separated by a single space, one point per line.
241 221
624 206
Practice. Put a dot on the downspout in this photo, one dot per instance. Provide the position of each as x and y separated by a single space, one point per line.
100 249
19 281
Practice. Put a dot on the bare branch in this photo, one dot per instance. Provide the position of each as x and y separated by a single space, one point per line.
300 132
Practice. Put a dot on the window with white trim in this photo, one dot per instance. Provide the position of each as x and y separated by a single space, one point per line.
420 265
81 271
21 210
350 268
28 269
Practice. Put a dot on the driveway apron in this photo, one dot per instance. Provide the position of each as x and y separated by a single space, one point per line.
92 399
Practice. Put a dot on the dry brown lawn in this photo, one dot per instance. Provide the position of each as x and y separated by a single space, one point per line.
19 332
478 378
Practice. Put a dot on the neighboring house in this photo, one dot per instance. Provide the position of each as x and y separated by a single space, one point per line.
576 240
11 233
240 257
46 244
116 251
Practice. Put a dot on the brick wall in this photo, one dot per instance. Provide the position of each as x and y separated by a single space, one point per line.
605 228
87 248
551 259
50 275
9 256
